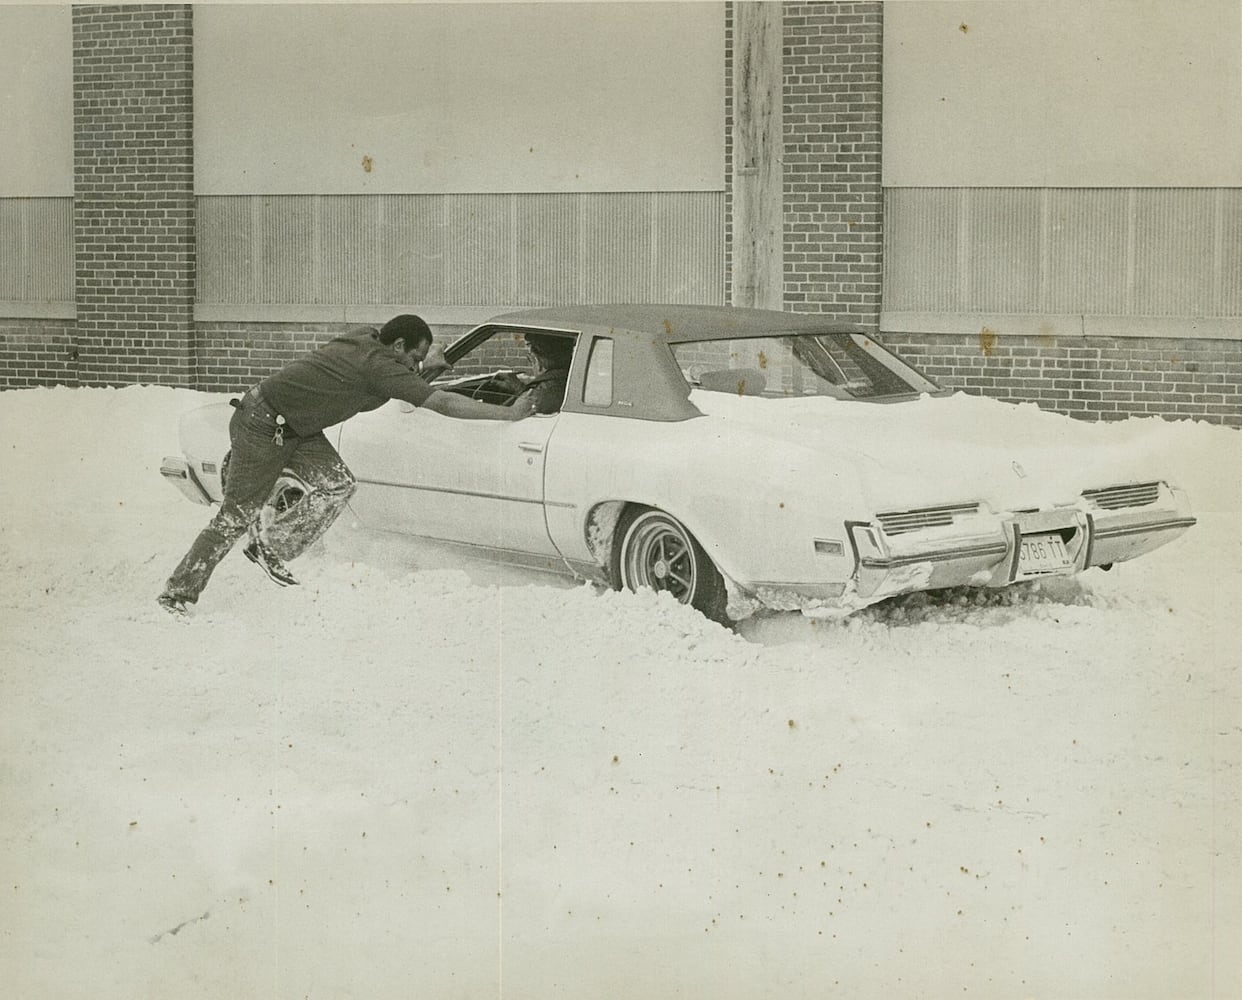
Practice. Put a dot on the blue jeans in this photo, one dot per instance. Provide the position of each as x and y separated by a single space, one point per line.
255 464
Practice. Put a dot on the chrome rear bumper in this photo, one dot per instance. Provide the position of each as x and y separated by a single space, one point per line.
983 550
180 473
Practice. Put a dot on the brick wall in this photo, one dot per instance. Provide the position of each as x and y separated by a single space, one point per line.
37 352
234 356
1092 378
728 151
134 229
134 193
833 194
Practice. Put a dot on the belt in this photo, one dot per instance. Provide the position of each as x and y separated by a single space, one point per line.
251 397
254 395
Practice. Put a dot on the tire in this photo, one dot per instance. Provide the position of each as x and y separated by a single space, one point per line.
653 550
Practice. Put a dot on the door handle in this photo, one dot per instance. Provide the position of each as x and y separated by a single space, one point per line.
534 446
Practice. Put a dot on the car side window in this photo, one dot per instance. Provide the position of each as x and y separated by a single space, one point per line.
598 389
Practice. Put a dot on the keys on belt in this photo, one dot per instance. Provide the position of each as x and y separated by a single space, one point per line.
254 396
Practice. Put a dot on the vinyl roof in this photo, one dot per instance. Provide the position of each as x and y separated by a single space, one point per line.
678 322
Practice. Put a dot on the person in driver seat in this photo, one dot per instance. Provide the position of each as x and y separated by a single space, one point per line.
546 387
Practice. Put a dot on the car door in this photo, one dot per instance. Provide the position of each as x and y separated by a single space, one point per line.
479 482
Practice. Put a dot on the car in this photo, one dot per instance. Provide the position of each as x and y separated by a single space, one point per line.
738 460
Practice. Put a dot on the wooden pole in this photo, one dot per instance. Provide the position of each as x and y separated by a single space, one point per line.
758 194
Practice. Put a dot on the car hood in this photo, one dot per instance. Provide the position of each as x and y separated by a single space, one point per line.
942 450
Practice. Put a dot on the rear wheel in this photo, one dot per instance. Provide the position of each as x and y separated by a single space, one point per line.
654 551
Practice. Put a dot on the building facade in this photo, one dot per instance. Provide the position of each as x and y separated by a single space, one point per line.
220 187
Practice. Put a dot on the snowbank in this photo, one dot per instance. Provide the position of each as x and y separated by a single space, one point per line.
416 777
980 438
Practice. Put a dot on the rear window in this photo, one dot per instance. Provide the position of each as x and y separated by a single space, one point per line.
843 366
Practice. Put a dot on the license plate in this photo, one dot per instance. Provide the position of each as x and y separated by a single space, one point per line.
1043 554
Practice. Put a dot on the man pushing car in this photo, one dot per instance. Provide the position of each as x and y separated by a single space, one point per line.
279 425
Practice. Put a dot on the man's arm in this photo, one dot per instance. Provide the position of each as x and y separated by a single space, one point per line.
434 363
450 404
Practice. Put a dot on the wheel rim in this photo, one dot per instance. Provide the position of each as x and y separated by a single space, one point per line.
657 554
285 497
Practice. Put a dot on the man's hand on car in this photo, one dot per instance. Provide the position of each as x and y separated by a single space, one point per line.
521 407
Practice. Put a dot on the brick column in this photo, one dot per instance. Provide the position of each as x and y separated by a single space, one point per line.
834 201
133 213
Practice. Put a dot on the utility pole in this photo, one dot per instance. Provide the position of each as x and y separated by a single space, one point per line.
758 193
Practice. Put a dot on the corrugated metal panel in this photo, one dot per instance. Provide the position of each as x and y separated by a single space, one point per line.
349 249
1229 249
920 249
617 244
688 258
227 274
1087 251
1003 240
1090 251
1173 249
50 240
549 249
483 265
286 249
519 249
412 251
13 251
36 248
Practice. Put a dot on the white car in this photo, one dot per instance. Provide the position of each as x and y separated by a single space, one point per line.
737 459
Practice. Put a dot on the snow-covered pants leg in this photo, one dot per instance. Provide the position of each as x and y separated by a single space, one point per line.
329 485
255 463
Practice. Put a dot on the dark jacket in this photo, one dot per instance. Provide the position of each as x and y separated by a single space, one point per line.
348 375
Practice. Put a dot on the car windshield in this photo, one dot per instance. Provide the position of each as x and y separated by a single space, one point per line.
840 365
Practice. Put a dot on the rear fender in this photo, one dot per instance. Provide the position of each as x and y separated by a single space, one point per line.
601 525
204 437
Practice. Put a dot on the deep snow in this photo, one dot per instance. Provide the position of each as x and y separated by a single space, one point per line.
414 777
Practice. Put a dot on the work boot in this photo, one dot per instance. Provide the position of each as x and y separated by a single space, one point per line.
175 606
276 571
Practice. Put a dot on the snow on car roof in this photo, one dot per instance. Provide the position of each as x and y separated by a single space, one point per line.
679 323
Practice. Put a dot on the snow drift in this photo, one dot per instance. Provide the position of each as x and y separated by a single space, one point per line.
416 777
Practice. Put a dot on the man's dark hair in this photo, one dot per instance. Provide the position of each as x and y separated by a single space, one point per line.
407 328
555 351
